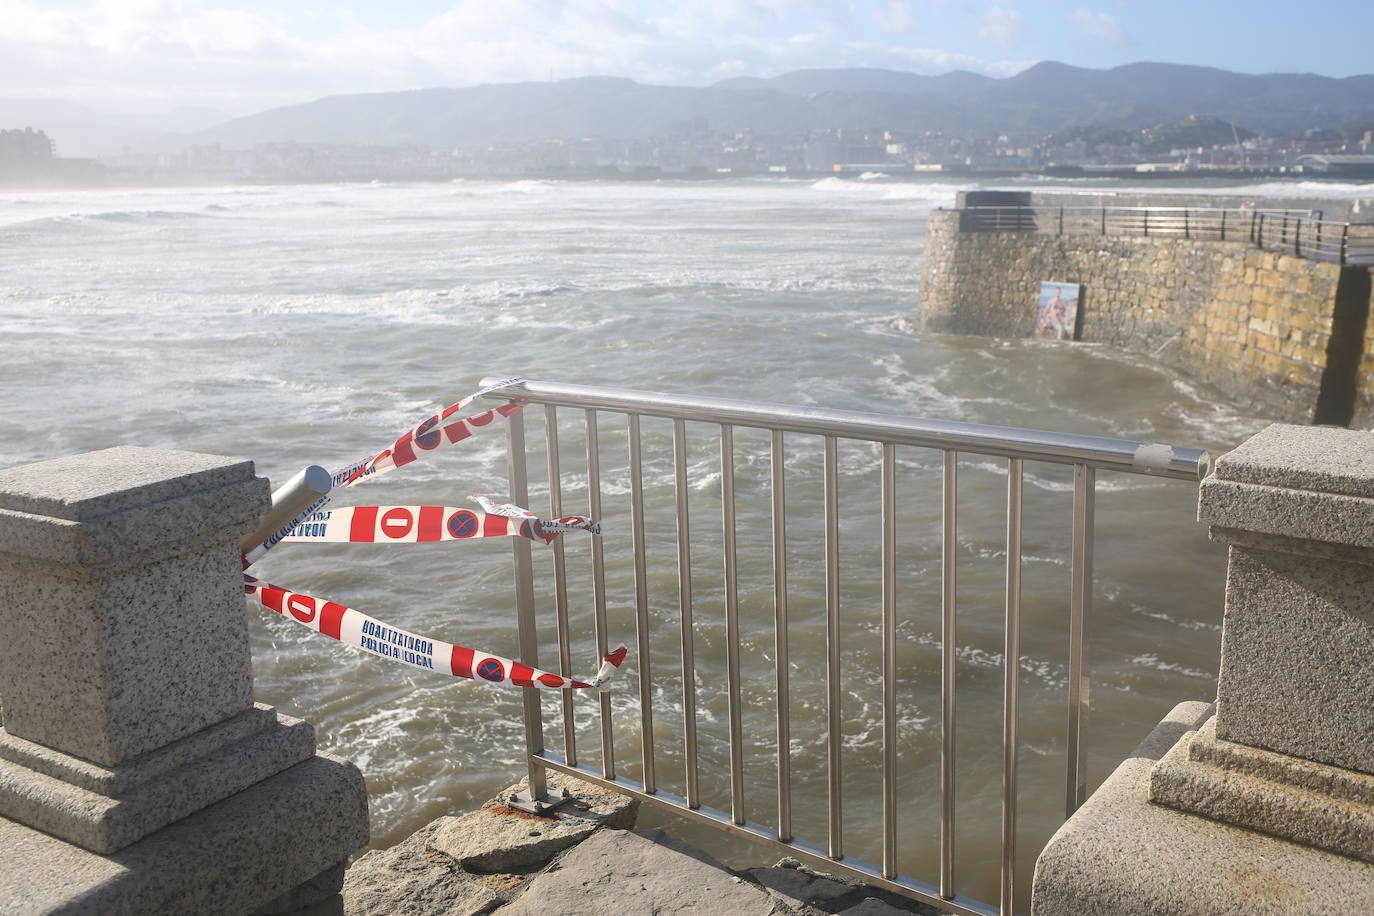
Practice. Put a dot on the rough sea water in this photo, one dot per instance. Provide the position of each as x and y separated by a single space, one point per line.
314 324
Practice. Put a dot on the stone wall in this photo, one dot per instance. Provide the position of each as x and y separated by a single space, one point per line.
1256 324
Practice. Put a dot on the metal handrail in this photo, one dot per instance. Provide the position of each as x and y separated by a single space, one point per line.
1303 232
1099 452
1086 454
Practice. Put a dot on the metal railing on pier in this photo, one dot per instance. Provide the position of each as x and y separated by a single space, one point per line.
1302 233
786 425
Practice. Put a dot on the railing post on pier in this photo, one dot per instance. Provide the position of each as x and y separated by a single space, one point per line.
1345 243
1223 225
1061 220
136 773
1187 229
1104 220
1275 780
537 784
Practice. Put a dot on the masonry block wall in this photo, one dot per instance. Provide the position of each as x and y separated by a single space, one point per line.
1269 330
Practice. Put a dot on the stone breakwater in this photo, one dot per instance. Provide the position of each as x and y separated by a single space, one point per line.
583 858
1284 334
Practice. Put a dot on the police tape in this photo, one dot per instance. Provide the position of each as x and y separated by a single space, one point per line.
354 628
510 510
427 436
425 524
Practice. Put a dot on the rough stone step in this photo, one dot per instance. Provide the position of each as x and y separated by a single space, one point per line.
580 859
622 871
651 872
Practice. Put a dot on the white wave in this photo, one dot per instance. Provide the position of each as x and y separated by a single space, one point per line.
532 186
1150 660
1178 622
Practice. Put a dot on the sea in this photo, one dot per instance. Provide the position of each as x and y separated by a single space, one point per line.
313 324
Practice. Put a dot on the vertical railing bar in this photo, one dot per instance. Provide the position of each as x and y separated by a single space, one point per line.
835 812
560 581
1080 606
599 586
727 499
524 606
889 572
646 708
780 647
1011 683
684 594
947 658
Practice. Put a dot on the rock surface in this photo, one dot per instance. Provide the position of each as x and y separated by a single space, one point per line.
581 858
619 871
407 879
801 888
498 838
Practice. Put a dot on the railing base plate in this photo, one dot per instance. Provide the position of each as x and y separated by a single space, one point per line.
541 806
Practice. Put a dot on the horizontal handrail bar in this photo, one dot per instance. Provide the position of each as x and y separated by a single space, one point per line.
815 855
1110 208
1129 456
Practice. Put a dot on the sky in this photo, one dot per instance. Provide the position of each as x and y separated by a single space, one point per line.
241 56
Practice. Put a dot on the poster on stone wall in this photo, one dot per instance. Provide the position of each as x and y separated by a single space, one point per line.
1057 311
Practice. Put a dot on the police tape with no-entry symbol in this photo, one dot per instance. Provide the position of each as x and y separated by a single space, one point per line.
354 628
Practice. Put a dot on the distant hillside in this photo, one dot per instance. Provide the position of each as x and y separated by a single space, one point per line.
1047 97
81 131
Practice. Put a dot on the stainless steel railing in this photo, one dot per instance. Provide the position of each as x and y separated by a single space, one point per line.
1086 455
1302 233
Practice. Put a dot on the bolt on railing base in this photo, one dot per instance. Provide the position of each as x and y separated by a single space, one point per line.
530 805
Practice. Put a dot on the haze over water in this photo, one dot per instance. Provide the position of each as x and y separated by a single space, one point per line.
314 324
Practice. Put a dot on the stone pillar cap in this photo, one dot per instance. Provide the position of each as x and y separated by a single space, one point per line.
86 486
1324 459
84 516
1305 490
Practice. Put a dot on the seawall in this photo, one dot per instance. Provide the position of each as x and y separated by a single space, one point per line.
1282 333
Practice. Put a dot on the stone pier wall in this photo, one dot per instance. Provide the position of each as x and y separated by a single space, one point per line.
1283 334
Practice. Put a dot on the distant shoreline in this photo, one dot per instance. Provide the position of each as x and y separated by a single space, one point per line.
86 179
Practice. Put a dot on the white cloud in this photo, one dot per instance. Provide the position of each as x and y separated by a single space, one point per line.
131 55
1002 25
1102 27
895 16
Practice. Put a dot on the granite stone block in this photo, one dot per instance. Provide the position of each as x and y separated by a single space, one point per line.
1297 643
124 617
111 669
1323 806
114 807
1121 855
1326 518
1324 459
230 858
113 507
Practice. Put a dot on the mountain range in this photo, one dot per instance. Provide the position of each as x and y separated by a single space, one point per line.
1045 98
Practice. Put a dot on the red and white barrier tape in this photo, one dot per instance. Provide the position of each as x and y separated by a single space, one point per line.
429 435
354 628
425 437
425 524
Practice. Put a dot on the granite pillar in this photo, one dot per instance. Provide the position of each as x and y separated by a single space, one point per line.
136 773
1264 801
